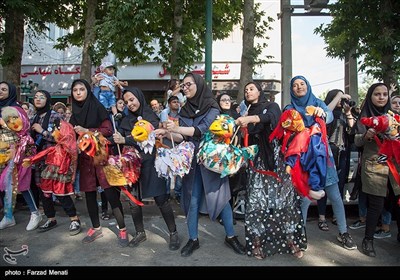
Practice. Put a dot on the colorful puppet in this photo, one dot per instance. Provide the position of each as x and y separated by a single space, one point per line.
169 162
19 145
217 153
121 170
305 150
61 161
387 126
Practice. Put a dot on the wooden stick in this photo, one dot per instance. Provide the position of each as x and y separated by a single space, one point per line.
237 129
115 130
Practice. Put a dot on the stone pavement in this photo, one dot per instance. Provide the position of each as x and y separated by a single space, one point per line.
57 249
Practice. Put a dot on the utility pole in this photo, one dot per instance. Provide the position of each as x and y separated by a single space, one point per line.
209 39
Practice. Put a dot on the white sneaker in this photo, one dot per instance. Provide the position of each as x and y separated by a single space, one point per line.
5 223
36 218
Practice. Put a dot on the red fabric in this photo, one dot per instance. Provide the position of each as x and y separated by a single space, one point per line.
300 179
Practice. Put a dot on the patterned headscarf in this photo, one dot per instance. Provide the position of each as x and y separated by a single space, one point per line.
23 135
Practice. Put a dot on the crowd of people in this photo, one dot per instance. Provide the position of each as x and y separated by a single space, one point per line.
39 159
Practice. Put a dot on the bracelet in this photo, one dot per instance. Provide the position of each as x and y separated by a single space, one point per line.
42 132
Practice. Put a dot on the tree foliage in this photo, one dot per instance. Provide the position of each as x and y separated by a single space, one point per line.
371 28
33 15
130 30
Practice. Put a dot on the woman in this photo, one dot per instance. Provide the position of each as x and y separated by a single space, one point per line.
301 97
377 180
195 118
238 180
42 125
150 185
338 136
88 114
29 109
273 218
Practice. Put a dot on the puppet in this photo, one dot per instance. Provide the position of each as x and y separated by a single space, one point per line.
217 153
16 177
305 150
122 170
169 162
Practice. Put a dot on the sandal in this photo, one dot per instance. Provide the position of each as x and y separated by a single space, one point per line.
296 251
105 216
257 250
323 225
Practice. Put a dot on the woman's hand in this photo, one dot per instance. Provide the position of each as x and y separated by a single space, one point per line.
171 126
160 132
79 129
118 138
370 134
319 112
37 127
244 121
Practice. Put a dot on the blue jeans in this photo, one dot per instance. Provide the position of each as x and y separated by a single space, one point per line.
193 214
29 200
362 204
334 196
386 217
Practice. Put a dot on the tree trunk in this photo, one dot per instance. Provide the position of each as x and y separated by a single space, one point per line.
176 38
90 36
247 60
14 45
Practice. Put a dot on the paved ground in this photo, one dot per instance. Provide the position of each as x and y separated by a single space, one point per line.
55 249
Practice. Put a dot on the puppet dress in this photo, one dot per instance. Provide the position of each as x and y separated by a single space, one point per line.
273 220
58 173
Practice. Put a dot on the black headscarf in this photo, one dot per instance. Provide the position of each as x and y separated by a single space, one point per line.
337 112
89 113
143 111
231 111
11 100
201 102
47 106
369 109
259 132
46 119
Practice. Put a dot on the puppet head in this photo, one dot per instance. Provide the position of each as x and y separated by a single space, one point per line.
95 145
223 126
142 130
386 124
16 119
292 120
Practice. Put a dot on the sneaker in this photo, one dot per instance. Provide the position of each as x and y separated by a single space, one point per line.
78 197
48 225
381 234
75 227
5 222
358 224
34 222
138 238
347 241
234 243
92 235
174 242
123 239
105 216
